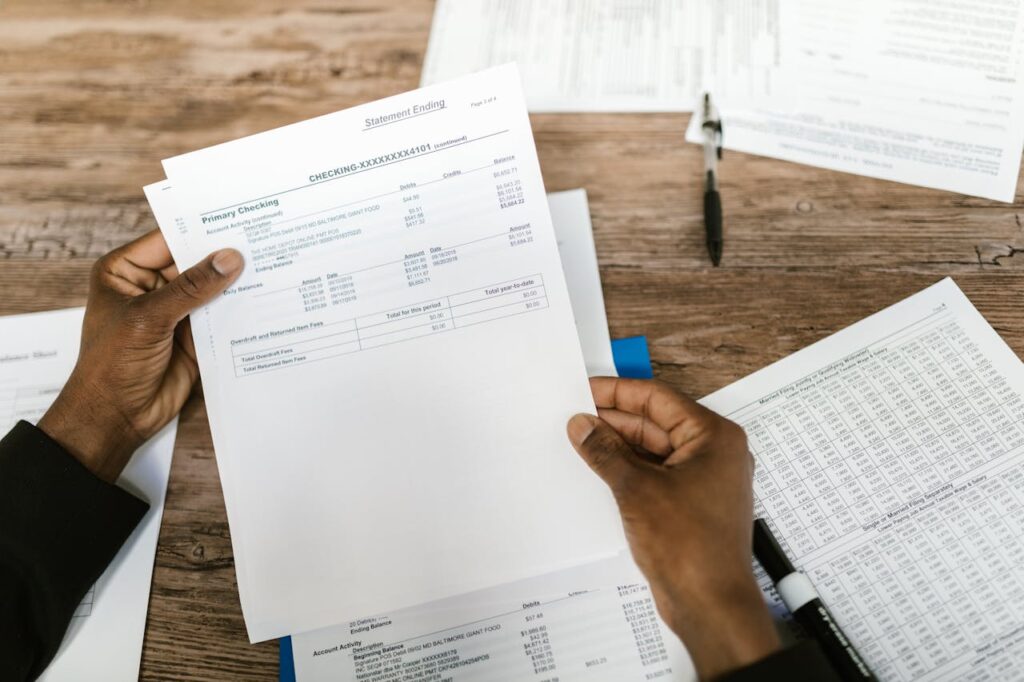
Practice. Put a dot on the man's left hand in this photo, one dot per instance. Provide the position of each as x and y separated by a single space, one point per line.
137 364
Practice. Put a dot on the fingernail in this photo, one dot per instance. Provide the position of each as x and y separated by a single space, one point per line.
580 426
227 262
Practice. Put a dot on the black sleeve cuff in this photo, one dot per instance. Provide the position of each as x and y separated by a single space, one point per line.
60 526
802 662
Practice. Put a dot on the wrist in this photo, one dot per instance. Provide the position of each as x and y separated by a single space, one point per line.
725 628
91 430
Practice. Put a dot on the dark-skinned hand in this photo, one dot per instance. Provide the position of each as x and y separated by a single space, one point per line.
682 476
136 365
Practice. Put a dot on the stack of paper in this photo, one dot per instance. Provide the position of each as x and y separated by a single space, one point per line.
615 55
923 93
897 90
104 639
388 382
890 463
595 622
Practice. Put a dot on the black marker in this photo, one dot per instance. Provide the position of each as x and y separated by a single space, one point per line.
802 600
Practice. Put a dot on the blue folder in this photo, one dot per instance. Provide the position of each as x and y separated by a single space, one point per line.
631 360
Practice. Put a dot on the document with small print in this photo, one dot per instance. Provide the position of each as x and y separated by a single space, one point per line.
615 55
596 620
890 463
104 640
929 94
543 628
389 380
593 623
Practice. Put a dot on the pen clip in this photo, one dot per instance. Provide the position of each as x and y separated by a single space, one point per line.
713 122
716 128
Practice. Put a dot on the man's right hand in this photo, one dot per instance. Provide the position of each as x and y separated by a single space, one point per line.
682 477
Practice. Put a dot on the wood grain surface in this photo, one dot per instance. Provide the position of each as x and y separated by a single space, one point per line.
94 94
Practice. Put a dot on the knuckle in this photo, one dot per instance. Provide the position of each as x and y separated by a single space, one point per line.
112 255
637 431
720 434
734 435
604 447
661 385
98 266
668 391
735 438
736 432
103 265
192 283
604 444
664 391
708 425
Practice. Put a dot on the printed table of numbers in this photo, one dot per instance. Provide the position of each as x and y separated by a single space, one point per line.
893 478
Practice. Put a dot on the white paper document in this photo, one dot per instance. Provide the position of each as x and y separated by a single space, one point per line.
622 650
890 463
622 640
617 55
104 639
593 622
569 634
929 94
570 214
570 217
389 380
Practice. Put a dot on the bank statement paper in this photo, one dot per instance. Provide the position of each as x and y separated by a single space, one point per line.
596 621
388 382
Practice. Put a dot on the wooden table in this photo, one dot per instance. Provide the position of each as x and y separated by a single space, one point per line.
94 94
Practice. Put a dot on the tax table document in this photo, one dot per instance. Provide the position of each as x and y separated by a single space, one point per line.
929 94
890 463
104 640
615 55
392 373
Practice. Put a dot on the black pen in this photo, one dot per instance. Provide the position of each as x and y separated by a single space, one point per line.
711 125
802 600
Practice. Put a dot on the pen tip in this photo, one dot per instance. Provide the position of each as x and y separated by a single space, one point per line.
715 251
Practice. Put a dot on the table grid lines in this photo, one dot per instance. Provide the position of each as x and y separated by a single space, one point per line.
457 310
893 435
1014 593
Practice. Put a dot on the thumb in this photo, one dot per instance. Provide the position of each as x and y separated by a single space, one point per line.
602 448
196 286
